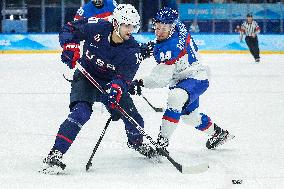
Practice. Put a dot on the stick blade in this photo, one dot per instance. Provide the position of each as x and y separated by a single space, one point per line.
88 166
195 169
158 109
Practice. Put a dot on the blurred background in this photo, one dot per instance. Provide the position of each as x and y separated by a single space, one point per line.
200 16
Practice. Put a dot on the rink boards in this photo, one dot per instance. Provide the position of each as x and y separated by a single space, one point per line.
207 43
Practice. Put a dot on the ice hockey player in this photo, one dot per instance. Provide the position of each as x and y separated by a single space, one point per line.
97 9
179 67
112 57
103 9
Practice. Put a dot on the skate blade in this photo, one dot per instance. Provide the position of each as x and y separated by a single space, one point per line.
156 159
51 170
228 138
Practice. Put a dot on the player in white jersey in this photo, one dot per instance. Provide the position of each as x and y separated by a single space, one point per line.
179 68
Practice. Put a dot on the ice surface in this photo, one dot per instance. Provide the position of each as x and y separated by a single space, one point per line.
245 98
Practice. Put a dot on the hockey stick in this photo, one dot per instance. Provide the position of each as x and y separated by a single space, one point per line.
181 168
153 107
89 164
69 80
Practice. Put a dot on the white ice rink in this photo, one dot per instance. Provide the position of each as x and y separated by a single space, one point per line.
245 98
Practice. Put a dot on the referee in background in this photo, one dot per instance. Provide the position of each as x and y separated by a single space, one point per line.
250 28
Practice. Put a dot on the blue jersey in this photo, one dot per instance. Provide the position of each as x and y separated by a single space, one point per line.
175 47
89 10
103 59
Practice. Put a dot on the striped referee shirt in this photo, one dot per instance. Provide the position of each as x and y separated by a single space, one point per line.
248 29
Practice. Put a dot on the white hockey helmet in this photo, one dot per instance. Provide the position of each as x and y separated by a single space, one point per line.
127 14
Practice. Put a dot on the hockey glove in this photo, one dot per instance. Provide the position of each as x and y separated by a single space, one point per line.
135 87
147 49
70 54
113 98
114 95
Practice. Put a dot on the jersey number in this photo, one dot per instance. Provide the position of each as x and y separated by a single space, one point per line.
165 57
80 11
138 58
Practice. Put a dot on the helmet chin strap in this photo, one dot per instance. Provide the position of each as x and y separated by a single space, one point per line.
117 31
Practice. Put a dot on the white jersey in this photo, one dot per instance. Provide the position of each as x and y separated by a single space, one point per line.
177 59
163 75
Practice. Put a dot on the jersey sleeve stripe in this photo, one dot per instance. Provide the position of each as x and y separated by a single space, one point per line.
103 15
77 17
172 61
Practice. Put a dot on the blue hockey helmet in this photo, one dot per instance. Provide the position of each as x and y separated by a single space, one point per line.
166 15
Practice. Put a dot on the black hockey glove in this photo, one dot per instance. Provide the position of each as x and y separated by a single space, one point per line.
147 49
135 87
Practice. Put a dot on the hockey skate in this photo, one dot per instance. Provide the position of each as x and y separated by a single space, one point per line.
218 138
162 143
52 164
144 149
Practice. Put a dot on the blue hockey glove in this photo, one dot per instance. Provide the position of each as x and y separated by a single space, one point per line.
70 54
135 87
113 98
114 95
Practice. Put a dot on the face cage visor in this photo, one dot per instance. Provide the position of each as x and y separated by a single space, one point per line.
134 28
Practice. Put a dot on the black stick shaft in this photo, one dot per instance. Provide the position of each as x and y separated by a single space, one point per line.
89 164
129 118
153 107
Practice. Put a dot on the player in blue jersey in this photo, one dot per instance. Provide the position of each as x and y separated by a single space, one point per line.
97 9
178 67
93 10
112 57
103 9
